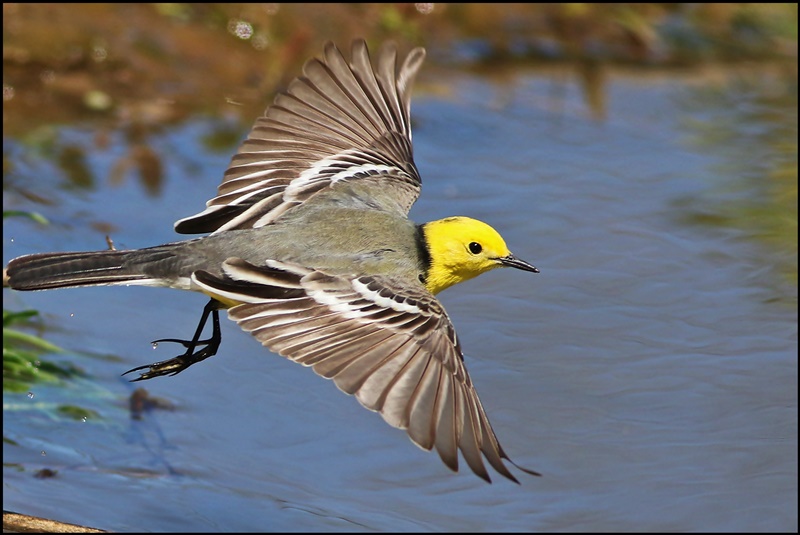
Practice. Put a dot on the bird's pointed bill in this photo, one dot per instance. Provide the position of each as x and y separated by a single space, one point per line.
513 261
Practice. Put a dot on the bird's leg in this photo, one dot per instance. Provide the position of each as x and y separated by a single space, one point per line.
193 355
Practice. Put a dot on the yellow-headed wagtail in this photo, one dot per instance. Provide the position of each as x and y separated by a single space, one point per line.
310 249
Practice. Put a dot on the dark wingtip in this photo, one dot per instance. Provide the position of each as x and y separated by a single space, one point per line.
523 469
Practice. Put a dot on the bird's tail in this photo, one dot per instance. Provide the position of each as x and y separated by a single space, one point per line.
65 270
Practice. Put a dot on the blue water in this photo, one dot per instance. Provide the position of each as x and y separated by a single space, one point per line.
649 372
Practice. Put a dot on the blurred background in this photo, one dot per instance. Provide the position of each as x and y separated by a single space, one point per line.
643 156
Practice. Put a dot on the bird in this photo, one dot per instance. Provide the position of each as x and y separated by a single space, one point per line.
308 247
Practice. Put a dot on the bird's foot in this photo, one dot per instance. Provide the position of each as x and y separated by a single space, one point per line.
196 350
176 365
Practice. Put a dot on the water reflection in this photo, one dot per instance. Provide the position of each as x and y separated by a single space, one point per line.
749 121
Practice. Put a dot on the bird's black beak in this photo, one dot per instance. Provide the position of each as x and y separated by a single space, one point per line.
513 261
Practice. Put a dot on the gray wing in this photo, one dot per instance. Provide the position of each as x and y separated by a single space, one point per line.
340 121
392 347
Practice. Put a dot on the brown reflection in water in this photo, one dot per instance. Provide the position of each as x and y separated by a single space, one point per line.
135 70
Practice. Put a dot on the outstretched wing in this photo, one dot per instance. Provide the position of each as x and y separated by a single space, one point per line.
340 121
392 347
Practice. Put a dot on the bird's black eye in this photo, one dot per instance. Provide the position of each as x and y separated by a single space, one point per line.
475 247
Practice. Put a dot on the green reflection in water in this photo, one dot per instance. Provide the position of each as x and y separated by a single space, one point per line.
750 122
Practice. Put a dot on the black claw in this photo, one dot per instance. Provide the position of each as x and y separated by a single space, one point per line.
166 367
193 355
186 343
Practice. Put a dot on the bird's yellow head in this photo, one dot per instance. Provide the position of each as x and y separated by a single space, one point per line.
461 248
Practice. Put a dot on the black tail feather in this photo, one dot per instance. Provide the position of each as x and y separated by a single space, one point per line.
63 270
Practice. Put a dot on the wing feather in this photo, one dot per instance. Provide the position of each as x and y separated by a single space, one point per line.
390 345
339 121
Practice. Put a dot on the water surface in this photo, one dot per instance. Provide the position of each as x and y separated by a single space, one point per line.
648 372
